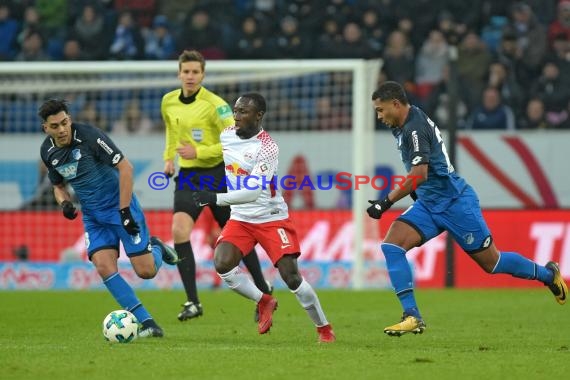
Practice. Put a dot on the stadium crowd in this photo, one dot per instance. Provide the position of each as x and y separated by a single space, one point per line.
513 57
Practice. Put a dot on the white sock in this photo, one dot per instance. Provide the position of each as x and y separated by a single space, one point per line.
310 302
242 284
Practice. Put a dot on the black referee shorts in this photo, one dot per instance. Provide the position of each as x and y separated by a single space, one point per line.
191 180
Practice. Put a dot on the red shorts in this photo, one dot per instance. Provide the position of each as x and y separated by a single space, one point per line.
278 238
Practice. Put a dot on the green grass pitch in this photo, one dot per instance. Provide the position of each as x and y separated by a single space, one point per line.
471 334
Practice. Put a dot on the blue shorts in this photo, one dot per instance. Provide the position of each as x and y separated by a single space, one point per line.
104 230
462 219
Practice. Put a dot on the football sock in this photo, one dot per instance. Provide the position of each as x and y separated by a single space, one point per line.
125 296
519 266
187 270
310 302
242 284
251 261
401 277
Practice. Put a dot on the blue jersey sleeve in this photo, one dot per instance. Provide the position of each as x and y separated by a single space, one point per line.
53 175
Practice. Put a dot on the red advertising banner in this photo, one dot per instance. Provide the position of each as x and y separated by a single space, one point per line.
326 237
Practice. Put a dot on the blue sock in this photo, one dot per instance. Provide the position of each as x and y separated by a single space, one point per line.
125 296
519 266
401 276
157 255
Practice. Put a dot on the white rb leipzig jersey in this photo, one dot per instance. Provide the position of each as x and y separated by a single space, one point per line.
252 163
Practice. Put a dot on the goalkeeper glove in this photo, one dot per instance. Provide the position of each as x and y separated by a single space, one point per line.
69 210
129 223
379 207
204 198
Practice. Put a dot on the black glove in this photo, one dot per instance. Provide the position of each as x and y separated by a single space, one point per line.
69 210
129 223
203 198
379 207
413 195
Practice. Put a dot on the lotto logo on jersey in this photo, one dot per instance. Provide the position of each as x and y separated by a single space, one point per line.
68 171
236 170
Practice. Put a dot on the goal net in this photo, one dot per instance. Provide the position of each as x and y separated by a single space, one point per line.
319 111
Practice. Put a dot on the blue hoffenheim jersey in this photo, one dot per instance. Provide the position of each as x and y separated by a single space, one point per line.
420 142
88 165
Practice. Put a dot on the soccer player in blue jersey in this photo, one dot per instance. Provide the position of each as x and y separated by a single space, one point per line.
102 178
443 202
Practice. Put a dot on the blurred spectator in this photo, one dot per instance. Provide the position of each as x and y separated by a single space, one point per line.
72 50
560 26
503 80
534 117
289 41
142 11
472 63
554 94
133 121
493 31
353 44
201 34
308 12
159 42
33 48
330 116
437 104
492 113
530 34
560 55
372 31
9 31
450 30
249 43
510 55
127 42
329 38
90 115
53 14
399 63
31 23
431 60
90 30
423 13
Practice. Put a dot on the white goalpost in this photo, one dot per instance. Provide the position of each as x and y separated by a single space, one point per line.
316 101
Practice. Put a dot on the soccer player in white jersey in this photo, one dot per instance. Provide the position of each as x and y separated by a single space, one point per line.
259 214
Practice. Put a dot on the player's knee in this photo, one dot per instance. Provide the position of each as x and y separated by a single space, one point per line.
105 269
180 233
146 273
293 280
224 262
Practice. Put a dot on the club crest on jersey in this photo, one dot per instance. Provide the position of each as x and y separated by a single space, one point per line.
235 169
469 238
76 154
197 134
68 171
54 162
